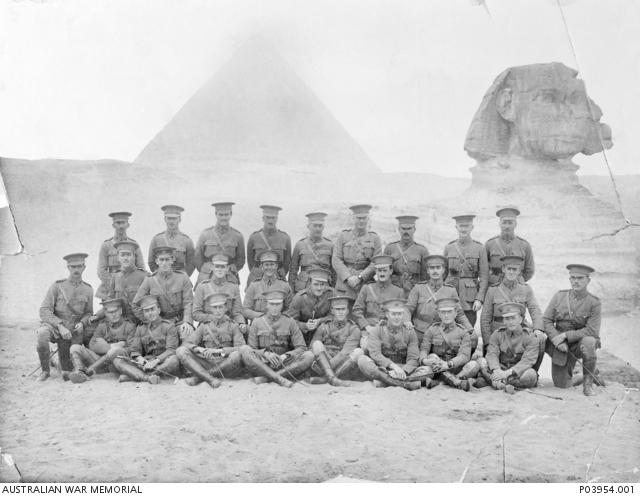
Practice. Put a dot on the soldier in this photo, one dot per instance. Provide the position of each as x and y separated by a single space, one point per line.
507 243
409 257
468 267
513 352
276 350
214 349
184 252
268 238
368 309
220 239
172 289
152 347
335 344
509 289
393 352
255 304
312 251
64 313
572 324
108 257
108 342
310 307
446 348
353 251
423 297
219 283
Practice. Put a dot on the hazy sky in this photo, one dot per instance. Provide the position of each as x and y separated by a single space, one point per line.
98 79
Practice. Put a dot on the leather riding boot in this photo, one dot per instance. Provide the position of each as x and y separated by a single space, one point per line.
588 368
133 372
43 356
192 364
258 368
452 381
346 367
323 360
77 375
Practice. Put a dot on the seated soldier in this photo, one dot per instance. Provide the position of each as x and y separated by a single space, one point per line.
446 348
214 349
423 297
572 322
254 301
108 342
368 309
510 288
152 348
513 351
310 307
335 344
173 291
393 352
219 283
64 314
276 350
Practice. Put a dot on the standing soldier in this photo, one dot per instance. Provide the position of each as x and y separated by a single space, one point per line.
572 324
108 256
152 347
184 252
108 342
409 257
64 313
446 348
423 297
335 344
507 243
268 238
368 309
393 351
220 239
255 304
353 251
513 352
214 349
219 283
276 350
509 289
310 307
312 251
173 291
468 267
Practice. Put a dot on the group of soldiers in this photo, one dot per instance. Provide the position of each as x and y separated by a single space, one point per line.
324 312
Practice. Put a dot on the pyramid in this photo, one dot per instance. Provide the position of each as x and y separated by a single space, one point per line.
256 110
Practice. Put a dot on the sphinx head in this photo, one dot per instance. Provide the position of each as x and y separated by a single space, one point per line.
538 111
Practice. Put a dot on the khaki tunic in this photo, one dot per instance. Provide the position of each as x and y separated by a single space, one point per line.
576 315
201 311
468 271
339 338
368 308
68 303
306 306
157 340
352 254
394 345
125 285
184 251
174 292
498 247
280 335
107 333
518 351
223 334
108 263
309 253
255 305
409 264
214 241
449 342
261 241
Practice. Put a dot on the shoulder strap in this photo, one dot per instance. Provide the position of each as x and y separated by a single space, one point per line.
566 299
432 295
264 239
464 259
444 336
66 301
217 237
501 290
313 252
373 293
404 257
499 243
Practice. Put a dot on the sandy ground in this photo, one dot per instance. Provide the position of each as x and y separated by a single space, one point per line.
244 432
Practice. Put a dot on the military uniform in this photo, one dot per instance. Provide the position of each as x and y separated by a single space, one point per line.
174 293
306 306
468 273
66 303
449 343
184 250
309 253
368 309
497 247
255 303
108 263
517 351
215 240
409 265
214 286
491 319
340 339
578 316
423 310
260 241
352 254
124 286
